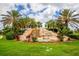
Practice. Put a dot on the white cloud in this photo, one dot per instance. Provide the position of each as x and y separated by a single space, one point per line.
43 17
46 15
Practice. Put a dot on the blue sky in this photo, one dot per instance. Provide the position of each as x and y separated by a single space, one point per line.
40 11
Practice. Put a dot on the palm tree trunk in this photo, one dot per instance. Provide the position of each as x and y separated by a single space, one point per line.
66 24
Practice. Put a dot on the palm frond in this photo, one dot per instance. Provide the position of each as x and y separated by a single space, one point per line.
9 13
73 11
75 15
5 15
75 20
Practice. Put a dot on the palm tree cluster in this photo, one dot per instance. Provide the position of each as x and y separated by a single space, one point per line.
16 22
13 17
66 18
51 25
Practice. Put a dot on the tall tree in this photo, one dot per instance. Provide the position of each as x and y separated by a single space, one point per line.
10 18
39 24
67 16
51 24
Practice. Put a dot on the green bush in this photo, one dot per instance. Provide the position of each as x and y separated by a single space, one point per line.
9 35
75 36
34 39
20 32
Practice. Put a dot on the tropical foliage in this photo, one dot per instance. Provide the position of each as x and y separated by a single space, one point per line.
10 18
14 22
68 16
52 25
18 24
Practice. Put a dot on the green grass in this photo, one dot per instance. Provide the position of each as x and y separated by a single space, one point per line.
18 48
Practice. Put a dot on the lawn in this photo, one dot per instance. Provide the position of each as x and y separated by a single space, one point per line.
18 48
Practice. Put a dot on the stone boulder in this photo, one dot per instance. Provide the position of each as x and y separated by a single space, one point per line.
54 39
42 35
66 38
22 38
42 40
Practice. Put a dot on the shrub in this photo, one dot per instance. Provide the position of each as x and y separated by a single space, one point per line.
9 35
75 36
34 39
20 32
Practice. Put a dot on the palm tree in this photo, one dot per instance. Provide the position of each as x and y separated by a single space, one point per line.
68 16
39 24
23 22
51 25
30 23
10 18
